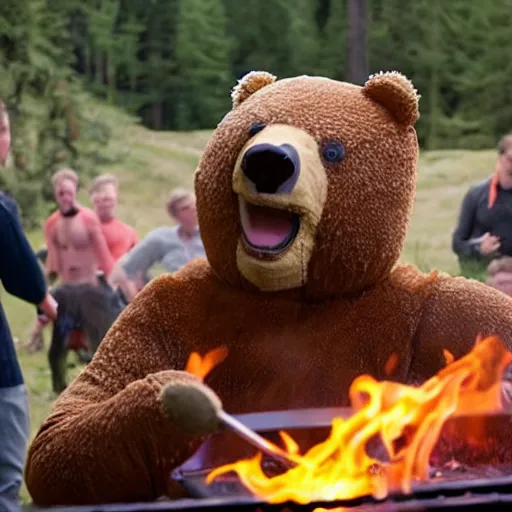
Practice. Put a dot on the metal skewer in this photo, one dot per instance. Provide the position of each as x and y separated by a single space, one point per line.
255 439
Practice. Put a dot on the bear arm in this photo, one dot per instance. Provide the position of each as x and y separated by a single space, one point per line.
108 439
455 313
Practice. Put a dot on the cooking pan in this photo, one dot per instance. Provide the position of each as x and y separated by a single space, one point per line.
470 448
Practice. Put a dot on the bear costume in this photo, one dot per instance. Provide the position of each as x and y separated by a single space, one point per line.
304 194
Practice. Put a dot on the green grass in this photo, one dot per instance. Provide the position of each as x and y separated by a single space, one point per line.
153 163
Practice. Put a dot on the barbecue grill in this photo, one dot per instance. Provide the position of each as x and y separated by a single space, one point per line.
451 486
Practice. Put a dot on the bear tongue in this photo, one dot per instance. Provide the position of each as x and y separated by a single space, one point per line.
264 226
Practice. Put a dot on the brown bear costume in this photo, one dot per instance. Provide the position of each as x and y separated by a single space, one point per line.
304 195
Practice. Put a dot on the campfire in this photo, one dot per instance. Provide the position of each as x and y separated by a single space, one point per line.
385 446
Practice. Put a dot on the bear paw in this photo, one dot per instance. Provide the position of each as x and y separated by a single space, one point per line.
192 406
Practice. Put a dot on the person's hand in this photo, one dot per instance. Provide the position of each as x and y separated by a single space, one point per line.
49 307
139 280
43 320
489 244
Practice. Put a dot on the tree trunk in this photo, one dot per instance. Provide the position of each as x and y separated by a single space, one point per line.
133 76
99 72
111 75
156 115
357 59
434 109
89 75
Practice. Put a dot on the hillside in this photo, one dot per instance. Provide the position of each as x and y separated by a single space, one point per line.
153 163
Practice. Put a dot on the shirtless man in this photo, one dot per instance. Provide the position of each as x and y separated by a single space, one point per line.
120 238
77 250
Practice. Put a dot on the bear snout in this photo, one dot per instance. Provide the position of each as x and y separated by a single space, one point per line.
271 169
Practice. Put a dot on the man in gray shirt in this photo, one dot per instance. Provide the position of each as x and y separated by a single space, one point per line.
171 247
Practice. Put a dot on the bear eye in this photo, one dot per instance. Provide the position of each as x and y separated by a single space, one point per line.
255 128
333 152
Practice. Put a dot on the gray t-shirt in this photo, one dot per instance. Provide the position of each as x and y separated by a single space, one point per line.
164 246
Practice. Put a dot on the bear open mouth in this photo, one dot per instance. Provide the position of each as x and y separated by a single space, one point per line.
266 229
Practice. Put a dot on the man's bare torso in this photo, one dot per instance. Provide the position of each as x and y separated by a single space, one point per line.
77 251
77 257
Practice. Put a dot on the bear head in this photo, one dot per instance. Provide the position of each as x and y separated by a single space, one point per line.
307 184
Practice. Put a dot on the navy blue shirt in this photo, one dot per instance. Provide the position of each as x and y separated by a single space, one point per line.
476 219
22 277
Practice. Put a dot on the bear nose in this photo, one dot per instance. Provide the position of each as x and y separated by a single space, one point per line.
272 169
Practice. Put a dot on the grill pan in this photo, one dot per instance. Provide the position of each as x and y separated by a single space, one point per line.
492 459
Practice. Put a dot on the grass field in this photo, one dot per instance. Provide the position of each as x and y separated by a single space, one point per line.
156 162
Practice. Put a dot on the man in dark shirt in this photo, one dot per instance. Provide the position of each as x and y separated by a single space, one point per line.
484 229
22 277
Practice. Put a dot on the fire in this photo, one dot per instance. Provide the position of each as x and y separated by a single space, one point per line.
391 364
407 419
202 366
448 357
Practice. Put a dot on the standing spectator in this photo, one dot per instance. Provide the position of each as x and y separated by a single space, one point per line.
77 250
22 277
171 247
104 196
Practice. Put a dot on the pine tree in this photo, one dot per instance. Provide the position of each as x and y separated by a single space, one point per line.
404 34
202 51
484 72
173 62
304 39
102 17
41 94
333 59
159 80
261 32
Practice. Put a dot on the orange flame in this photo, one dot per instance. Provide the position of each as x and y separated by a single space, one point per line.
202 366
408 420
448 357
391 364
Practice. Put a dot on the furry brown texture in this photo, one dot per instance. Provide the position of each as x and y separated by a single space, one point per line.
369 194
249 84
397 93
193 407
108 438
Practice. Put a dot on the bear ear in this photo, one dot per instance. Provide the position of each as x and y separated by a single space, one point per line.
249 84
396 92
